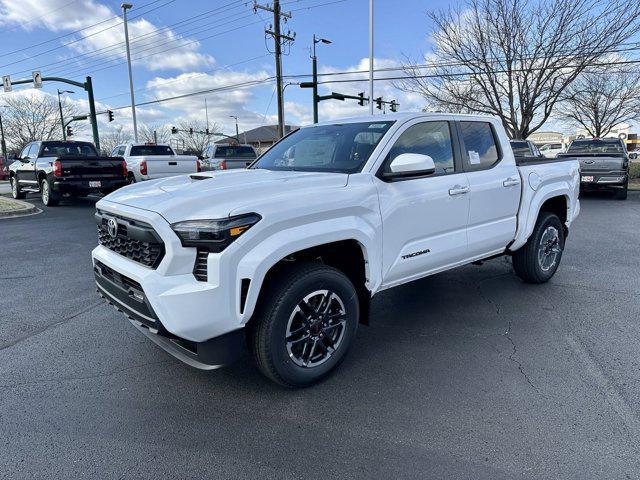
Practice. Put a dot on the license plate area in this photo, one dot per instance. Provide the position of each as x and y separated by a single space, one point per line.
95 184
587 178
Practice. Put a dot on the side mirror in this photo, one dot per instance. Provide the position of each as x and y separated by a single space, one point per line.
411 165
633 156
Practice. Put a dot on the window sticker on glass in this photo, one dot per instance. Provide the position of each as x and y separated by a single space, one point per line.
474 158
378 125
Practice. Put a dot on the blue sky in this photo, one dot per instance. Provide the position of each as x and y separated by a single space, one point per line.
183 46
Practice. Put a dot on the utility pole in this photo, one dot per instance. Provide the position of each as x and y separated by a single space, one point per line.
237 131
278 38
206 112
125 7
64 132
371 56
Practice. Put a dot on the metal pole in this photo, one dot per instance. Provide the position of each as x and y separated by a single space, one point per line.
206 112
64 133
371 57
126 6
2 142
278 51
314 71
88 86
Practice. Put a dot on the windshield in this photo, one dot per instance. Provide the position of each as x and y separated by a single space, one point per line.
147 150
59 149
342 148
237 152
596 146
520 149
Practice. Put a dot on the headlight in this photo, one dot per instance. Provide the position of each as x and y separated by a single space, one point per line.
214 235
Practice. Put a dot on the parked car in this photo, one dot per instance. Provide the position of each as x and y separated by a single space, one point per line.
551 150
604 164
147 161
56 168
286 255
525 148
227 156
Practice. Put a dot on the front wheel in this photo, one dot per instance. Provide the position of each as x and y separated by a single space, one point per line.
49 198
538 260
16 192
304 325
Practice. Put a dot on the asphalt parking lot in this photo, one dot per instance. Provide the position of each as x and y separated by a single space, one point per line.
467 374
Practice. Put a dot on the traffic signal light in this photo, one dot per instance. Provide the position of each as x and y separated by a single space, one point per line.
69 131
361 99
394 106
110 115
174 130
207 131
379 103
191 131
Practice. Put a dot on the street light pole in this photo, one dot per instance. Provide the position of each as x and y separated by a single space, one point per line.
60 92
237 131
314 71
125 7
2 142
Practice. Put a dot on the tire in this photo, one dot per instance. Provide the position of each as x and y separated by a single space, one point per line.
621 193
280 315
131 178
530 262
16 191
49 197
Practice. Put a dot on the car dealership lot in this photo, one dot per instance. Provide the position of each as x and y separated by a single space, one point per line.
467 374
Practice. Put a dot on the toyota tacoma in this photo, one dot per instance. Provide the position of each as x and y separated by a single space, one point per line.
284 257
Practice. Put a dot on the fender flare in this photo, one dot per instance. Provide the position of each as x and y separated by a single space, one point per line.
262 256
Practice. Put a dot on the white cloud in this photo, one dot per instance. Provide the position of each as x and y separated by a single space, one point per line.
147 40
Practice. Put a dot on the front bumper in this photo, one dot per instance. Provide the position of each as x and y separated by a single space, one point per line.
128 297
198 322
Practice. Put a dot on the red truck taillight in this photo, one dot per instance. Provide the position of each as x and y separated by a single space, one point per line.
198 166
57 168
223 165
143 167
124 169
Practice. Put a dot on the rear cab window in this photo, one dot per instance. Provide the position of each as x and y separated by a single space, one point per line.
69 149
613 146
480 148
235 152
149 150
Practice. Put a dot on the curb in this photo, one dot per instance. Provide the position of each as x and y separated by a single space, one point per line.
28 209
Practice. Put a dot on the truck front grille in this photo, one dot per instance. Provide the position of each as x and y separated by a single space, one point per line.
135 240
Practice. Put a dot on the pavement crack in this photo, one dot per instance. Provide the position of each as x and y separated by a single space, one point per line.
50 326
507 335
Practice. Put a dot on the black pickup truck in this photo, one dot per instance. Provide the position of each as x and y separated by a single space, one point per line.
56 168
604 164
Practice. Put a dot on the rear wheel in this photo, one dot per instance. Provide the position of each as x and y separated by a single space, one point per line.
538 260
621 193
49 197
305 324
131 178
16 192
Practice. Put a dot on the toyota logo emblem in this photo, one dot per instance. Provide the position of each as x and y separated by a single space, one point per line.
112 227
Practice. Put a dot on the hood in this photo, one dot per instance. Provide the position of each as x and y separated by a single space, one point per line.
216 194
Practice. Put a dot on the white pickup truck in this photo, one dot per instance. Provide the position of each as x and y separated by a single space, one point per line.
148 161
284 257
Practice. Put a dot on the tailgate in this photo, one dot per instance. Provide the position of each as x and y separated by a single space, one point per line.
92 168
166 165
599 162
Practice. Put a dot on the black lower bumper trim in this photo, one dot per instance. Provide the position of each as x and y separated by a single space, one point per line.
128 297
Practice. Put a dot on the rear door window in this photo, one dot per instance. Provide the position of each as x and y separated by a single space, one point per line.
480 149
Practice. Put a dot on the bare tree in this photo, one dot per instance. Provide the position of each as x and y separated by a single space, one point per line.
154 132
599 100
34 117
110 140
515 58
197 141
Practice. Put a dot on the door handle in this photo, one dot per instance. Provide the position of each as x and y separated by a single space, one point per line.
458 190
511 182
